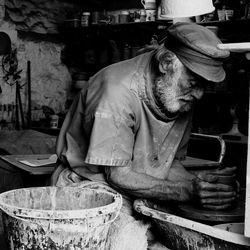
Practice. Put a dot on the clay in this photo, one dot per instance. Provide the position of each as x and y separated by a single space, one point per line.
235 214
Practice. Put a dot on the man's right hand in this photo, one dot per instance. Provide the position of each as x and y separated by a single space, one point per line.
211 194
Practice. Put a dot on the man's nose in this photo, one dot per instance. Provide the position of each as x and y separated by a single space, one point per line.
198 93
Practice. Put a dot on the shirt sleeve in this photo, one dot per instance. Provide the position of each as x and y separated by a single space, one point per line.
111 129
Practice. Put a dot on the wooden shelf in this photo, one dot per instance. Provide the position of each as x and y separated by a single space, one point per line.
238 23
226 23
121 28
232 30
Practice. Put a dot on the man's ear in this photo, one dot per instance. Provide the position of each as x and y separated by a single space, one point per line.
165 67
169 66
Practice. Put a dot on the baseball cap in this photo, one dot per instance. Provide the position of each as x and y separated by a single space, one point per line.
196 47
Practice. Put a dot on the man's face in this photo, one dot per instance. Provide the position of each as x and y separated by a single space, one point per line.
179 90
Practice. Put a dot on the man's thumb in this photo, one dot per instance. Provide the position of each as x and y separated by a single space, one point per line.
208 178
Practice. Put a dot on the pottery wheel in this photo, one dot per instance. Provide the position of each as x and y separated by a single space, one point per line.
235 214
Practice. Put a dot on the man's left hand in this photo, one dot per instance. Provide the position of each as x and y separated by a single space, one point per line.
212 194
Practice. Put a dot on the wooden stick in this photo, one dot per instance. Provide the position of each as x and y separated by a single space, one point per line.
235 47
20 105
29 95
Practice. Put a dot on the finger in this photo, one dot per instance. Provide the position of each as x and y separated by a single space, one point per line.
217 201
247 55
203 186
217 195
220 207
225 171
237 186
209 178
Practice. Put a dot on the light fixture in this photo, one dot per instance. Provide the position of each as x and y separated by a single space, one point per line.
185 8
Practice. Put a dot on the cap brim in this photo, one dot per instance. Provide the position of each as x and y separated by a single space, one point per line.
209 72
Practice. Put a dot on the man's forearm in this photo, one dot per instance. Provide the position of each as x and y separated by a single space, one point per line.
142 185
177 172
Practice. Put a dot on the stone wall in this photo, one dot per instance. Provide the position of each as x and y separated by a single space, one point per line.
42 16
50 78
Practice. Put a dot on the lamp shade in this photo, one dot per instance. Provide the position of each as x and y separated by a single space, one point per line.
185 8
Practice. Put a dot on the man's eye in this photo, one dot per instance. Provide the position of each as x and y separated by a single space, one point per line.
192 83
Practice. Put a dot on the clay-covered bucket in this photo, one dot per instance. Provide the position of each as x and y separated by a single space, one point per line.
58 218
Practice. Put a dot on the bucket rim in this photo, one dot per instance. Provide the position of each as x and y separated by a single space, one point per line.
32 213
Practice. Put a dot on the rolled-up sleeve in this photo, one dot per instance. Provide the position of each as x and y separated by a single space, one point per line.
111 131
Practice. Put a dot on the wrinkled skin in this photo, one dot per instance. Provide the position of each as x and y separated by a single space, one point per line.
180 186
205 189
214 195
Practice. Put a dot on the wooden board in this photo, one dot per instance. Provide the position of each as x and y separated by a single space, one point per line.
247 214
199 164
14 161
235 47
244 48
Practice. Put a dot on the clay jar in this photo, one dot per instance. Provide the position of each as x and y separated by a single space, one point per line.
85 19
54 121
124 16
149 4
227 179
150 9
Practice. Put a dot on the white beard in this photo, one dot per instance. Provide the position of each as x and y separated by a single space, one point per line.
168 95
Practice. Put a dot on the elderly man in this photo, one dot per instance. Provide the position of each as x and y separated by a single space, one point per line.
130 127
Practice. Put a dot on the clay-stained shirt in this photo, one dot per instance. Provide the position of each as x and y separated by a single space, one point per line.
115 121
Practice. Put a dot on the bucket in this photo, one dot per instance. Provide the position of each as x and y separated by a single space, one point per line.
67 218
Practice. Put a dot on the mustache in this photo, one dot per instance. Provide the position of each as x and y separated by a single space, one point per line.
162 83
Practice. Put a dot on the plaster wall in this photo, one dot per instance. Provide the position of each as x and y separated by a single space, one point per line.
50 78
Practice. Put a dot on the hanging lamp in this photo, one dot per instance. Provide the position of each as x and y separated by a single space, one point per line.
185 8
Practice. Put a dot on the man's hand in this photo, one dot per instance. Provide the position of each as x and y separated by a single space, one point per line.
214 195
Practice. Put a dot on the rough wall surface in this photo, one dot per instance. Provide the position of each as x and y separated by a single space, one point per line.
50 78
42 16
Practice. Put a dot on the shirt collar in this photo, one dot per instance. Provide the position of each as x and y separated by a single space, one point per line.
142 82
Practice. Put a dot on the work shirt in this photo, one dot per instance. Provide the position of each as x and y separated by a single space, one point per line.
115 121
